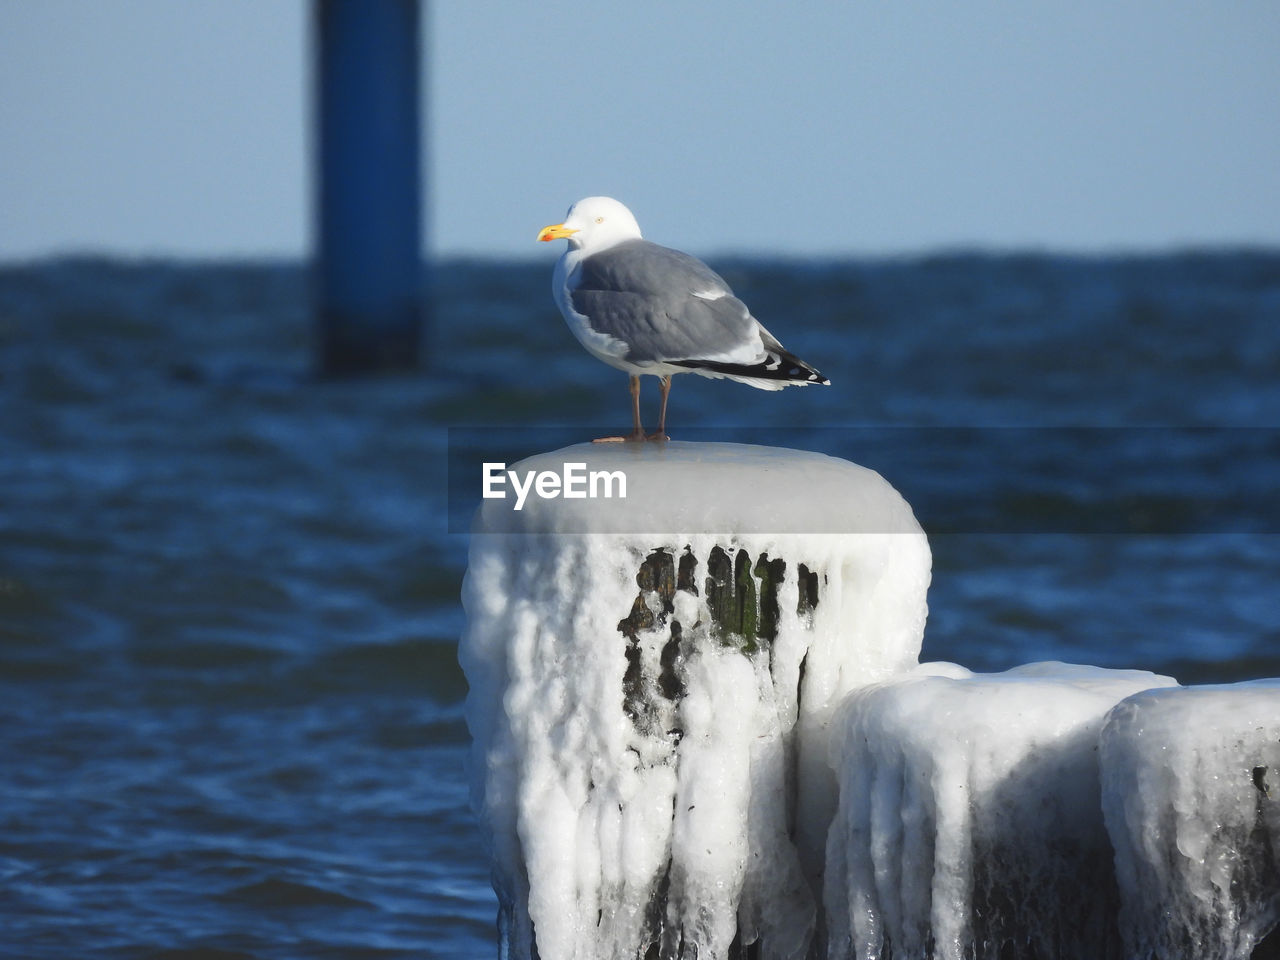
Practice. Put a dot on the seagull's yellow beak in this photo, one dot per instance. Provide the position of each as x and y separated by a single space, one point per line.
557 231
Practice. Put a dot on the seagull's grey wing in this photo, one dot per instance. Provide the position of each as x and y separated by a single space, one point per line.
664 305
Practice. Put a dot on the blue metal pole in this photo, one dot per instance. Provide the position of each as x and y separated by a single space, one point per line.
369 273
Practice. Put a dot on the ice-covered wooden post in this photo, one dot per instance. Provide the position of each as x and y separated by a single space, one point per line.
1191 793
652 678
970 823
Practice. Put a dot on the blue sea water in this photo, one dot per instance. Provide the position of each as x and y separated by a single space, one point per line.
230 707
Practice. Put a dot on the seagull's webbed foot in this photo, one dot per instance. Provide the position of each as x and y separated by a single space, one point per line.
633 437
637 430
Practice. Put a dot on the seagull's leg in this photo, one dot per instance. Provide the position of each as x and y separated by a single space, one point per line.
664 384
637 432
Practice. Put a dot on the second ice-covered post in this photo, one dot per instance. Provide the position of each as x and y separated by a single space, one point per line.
652 679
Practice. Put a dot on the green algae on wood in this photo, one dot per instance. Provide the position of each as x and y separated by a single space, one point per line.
741 600
771 574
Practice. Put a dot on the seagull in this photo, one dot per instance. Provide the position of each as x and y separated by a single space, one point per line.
650 310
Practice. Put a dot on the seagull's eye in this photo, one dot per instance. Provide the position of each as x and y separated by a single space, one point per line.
599 219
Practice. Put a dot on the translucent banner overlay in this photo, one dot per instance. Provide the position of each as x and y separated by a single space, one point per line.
1058 480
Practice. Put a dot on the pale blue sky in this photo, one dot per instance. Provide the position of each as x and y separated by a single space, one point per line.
156 127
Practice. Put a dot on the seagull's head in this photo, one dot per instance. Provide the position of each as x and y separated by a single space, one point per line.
593 224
